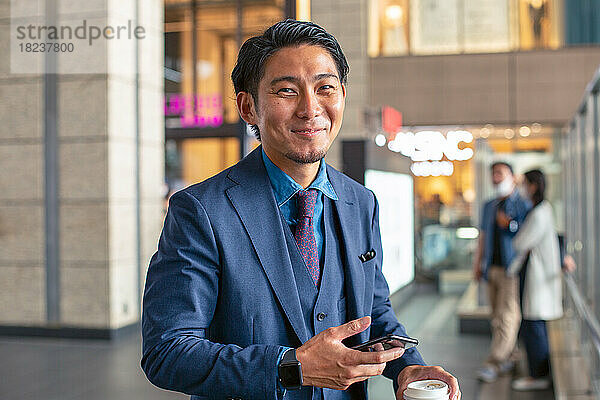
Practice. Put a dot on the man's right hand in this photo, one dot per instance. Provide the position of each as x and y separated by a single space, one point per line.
328 363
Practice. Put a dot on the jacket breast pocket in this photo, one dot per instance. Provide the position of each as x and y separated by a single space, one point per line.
369 268
369 264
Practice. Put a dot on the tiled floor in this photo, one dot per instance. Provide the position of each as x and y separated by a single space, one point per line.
51 369
432 319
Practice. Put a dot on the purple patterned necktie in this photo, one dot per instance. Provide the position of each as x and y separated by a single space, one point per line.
305 234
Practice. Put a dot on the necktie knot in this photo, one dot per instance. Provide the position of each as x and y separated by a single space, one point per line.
306 202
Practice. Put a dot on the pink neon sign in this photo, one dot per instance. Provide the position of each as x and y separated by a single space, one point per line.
197 111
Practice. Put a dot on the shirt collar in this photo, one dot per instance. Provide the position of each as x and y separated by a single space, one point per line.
284 187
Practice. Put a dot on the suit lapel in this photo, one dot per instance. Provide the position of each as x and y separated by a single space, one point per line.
348 215
255 204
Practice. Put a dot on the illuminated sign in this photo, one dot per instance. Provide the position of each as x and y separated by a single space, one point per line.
195 111
428 148
432 145
432 168
391 119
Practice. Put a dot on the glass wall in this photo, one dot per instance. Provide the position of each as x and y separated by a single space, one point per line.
580 155
421 27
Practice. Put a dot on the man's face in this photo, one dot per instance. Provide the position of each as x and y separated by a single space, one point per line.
300 104
499 173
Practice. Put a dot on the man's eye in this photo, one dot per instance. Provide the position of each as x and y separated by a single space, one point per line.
327 87
286 91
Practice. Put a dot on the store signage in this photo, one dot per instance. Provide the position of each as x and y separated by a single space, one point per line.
391 119
195 111
432 145
428 148
432 168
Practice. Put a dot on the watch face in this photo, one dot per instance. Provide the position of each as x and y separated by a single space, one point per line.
291 375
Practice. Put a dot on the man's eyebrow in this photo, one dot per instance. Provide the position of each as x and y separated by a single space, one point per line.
288 78
293 79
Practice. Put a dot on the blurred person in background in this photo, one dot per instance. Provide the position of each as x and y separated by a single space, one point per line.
269 272
432 210
538 268
502 217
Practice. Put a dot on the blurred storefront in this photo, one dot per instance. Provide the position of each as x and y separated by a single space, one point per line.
505 75
203 131
450 168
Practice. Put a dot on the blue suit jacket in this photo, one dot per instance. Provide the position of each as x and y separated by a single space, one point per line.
220 297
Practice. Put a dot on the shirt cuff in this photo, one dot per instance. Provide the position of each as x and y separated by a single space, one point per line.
280 389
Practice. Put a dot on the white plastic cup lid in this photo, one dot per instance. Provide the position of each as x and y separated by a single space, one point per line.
427 390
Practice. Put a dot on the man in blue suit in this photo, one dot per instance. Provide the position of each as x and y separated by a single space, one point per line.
267 273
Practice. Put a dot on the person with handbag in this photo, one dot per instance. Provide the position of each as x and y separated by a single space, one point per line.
538 265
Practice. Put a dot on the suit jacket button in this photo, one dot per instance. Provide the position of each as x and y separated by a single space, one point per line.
321 316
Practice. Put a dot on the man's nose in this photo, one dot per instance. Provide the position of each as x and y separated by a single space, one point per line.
308 106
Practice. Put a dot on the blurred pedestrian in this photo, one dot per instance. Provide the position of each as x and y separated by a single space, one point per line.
502 217
538 266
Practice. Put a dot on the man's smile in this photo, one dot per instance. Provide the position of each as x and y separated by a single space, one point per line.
308 132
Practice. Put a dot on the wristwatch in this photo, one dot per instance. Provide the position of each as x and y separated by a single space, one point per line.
290 370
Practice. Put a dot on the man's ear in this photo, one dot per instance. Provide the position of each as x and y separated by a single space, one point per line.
344 90
246 107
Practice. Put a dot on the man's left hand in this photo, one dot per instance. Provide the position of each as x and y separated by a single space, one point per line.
414 373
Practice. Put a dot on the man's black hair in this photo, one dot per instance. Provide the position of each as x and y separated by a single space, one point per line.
250 66
504 163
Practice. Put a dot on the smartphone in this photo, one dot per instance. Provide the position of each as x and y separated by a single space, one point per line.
388 342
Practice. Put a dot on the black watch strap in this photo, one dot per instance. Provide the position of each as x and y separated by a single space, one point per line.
289 356
290 370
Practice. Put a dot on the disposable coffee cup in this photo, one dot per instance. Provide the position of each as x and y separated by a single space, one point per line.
427 390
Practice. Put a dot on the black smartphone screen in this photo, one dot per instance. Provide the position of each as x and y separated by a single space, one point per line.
388 342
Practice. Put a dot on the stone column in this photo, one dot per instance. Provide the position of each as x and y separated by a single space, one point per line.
101 136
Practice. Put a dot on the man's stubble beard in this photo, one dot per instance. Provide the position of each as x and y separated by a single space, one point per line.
306 158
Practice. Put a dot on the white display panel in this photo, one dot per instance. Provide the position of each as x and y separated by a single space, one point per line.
434 26
455 26
394 193
486 26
